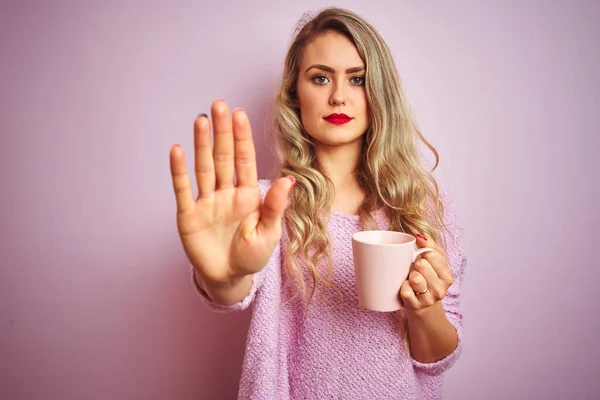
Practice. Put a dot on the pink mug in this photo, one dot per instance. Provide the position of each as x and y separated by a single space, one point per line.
382 261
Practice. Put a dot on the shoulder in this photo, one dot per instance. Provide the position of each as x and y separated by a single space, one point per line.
448 204
453 232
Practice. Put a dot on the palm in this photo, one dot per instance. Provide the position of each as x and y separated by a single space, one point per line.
227 231
211 232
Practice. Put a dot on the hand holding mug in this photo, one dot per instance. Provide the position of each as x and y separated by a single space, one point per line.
382 262
429 278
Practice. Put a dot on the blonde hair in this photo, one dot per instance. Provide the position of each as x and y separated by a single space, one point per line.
390 171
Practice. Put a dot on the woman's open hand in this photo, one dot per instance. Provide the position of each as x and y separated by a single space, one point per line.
227 231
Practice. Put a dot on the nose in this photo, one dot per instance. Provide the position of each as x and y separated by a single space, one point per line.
338 95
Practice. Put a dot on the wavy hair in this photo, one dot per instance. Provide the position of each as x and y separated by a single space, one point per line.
390 172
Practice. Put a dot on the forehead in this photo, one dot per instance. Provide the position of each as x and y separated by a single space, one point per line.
332 49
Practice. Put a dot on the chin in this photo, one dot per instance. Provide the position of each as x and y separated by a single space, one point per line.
340 141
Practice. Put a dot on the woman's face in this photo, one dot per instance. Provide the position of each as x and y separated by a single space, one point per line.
331 91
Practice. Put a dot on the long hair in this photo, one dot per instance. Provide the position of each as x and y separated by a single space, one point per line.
390 171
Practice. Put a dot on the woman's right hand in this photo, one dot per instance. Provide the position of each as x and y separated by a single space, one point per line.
228 231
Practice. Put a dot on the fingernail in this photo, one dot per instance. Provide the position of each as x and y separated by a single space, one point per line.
238 109
202 115
291 178
422 237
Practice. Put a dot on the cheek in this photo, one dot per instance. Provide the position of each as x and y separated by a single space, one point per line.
305 116
308 109
364 103
308 98
366 111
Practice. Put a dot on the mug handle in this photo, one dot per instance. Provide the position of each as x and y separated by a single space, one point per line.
419 252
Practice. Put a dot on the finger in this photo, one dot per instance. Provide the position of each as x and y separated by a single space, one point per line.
423 241
181 182
245 154
274 204
432 281
223 150
422 292
439 264
417 282
203 158
408 296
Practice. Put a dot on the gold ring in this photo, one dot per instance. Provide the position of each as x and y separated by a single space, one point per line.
424 291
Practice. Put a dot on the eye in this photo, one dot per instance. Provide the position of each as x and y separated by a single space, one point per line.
358 80
320 79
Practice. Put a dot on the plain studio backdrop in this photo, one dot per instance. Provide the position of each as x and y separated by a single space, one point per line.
96 300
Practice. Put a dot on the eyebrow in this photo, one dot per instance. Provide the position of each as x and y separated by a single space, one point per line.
329 69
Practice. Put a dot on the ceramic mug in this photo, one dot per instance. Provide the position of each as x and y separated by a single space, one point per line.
382 261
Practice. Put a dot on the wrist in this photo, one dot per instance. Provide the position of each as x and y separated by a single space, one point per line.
224 291
431 313
222 282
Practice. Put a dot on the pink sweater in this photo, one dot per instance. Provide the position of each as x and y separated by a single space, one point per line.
339 351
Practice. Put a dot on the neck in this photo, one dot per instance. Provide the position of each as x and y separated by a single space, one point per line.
339 164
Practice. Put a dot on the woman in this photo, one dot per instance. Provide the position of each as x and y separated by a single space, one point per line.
347 161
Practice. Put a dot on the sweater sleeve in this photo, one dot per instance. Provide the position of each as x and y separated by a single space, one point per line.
457 260
257 278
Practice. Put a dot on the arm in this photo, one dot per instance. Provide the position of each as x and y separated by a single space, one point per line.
432 336
435 327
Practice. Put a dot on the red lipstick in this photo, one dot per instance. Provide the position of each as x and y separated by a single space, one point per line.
338 119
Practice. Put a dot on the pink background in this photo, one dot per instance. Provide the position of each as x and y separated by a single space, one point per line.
95 296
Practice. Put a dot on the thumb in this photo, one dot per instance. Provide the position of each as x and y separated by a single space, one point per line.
275 203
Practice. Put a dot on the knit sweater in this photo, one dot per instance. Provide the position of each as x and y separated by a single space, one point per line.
337 350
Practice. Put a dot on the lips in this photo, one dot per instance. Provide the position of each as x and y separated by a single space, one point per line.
338 119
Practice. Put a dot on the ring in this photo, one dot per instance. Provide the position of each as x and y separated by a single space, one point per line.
423 292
